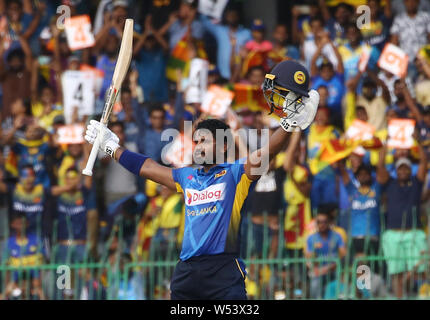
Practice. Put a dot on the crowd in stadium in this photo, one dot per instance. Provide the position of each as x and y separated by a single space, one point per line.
324 197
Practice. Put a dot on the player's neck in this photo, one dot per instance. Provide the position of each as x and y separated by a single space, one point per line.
207 167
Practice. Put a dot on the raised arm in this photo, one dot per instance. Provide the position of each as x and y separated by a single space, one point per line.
382 174
258 161
410 103
422 168
339 69
137 164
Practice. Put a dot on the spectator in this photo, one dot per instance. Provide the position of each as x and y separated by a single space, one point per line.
73 201
352 50
403 240
46 109
422 84
183 23
410 31
377 34
230 28
118 182
323 184
15 76
333 79
297 188
150 52
24 250
282 49
374 104
327 245
29 199
365 215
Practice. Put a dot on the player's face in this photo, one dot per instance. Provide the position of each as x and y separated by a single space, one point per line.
205 148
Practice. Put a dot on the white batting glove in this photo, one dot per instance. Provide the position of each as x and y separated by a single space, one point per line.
108 140
304 118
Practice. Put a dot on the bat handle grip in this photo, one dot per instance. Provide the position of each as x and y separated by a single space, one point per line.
88 171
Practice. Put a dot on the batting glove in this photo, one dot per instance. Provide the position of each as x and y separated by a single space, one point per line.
304 118
108 140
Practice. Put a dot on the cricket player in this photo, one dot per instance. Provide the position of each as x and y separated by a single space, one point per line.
215 194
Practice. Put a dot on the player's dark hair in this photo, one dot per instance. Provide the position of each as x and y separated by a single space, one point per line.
213 125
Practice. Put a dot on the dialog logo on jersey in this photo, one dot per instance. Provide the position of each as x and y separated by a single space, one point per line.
213 193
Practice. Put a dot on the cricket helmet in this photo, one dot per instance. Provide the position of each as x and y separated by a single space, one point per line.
285 86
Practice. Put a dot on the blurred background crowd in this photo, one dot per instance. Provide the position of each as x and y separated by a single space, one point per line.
329 203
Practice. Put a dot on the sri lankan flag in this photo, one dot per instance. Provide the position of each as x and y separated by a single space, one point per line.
181 56
332 151
251 97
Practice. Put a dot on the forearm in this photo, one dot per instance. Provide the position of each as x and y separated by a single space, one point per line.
145 167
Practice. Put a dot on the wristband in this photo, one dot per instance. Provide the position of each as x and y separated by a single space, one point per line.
132 161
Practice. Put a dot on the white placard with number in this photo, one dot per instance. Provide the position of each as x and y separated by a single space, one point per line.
198 81
216 101
212 8
78 32
400 133
71 134
394 60
360 130
78 91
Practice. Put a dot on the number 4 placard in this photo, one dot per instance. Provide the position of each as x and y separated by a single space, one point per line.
78 32
400 133
216 101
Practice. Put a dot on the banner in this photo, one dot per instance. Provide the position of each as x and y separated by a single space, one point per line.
400 133
78 92
78 32
198 81
394 60
71 134
216 101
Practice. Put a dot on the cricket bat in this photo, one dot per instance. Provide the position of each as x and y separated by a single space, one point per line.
121 68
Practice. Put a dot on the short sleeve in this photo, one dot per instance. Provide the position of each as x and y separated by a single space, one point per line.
238 170
179 176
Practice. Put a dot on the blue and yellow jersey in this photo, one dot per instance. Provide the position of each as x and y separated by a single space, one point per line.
31 204
72 214
33 152
214 202
25 252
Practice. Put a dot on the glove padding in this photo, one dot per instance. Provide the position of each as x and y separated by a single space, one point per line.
304 118
109 141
